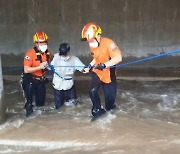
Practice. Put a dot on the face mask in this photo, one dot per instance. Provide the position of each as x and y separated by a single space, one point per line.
93 44
66 58
43 48
90 33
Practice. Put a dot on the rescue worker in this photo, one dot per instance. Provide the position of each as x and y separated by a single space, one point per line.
64 66
36 61
106 55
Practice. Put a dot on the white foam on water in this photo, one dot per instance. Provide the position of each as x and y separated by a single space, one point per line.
105 120
9 124
46 144
35 114
168 103
13 92
10 151
175 141
173 123
155 141
115 152
11 111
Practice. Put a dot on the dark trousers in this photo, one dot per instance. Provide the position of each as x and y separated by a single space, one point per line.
38 90
33 88
109 90
60 96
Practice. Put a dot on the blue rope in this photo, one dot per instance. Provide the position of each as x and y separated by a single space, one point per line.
137 61
54 71
119 65
148 58
68 66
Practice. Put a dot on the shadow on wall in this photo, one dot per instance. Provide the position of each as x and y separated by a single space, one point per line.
168 66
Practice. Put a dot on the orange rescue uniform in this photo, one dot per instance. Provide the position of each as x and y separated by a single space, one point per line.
106 51
31 60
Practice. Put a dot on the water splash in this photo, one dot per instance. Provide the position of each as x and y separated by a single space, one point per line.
17 123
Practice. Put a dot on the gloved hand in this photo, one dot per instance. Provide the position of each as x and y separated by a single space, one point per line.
87 69
43 65
100 66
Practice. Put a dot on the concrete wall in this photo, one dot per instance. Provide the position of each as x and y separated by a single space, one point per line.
139 27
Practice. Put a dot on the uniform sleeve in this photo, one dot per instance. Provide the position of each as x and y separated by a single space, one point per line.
28 59
79 65
113 49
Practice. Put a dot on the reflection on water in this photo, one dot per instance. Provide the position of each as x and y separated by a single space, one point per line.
146 121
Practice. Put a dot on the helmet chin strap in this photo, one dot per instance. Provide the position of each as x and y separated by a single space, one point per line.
97 42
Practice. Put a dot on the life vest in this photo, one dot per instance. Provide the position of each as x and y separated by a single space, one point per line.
39 57
38 54
34 57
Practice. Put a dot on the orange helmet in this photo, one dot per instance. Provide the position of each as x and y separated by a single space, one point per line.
40 37
90 31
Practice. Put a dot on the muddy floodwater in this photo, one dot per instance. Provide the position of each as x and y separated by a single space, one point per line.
147 121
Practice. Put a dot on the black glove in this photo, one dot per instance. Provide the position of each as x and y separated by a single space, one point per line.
101 66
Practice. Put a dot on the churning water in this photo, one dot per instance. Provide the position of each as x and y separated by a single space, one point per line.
147 121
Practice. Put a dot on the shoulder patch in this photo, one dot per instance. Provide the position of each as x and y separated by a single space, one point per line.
113 47
27 58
